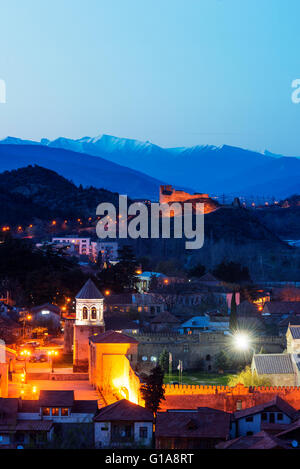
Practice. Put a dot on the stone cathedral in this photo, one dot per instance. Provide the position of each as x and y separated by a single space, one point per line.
89 321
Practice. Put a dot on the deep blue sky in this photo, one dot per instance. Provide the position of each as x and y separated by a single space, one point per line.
176 72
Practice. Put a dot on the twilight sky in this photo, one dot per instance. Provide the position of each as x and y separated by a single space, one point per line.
175 72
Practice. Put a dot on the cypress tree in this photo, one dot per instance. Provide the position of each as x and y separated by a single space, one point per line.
233 322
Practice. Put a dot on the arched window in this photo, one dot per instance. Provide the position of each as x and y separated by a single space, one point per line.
84 313
94 313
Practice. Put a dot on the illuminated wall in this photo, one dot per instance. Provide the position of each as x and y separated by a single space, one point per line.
111 371
226 398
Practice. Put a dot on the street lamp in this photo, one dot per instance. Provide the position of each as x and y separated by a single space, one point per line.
241 341
51 354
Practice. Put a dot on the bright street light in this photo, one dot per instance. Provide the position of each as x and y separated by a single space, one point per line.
241 341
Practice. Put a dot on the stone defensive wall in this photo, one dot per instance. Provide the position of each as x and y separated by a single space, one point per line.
196 350
226 398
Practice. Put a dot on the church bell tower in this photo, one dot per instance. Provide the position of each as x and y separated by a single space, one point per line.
89 321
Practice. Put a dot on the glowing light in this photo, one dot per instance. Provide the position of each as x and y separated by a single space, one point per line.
122 387
107 292
241 341
34 389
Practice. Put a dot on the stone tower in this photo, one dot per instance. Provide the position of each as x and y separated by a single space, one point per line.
89 321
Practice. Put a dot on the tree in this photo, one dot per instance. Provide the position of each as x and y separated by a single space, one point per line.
232 272
197 271
233 321
221 361
249 378
122 276
164 360
153 285
153 390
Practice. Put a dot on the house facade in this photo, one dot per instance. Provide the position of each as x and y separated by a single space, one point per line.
123 424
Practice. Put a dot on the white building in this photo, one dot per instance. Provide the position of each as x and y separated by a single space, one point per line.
123 424
81 245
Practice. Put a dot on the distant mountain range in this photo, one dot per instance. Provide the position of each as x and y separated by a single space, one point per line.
137 168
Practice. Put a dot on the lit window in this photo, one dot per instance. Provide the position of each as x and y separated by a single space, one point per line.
238 405
65 412
84 313
153 359
46 411
144 358
55 411
94 313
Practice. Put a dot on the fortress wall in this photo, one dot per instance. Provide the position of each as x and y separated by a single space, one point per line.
227 398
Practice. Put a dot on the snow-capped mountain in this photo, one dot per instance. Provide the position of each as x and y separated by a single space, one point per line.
204 168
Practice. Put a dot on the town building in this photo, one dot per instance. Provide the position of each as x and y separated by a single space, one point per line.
202 428
27 423
112 360
80 245
281 369
164 322
108 251
89 321
272 416
261 440
123 424
148 305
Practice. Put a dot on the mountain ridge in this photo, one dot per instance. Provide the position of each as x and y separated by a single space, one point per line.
204 168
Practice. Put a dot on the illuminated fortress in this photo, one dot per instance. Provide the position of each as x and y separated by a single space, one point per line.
167 195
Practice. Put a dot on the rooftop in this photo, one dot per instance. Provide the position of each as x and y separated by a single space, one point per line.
56 398
112 337
277 402
89 291
261 440
273 363
165 318
295 331
201 423
124 411
282 307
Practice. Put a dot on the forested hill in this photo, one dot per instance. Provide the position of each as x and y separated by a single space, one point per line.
36 192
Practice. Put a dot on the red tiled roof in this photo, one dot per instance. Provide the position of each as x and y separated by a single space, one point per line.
34 425
112 337
282 307
165 318
124 411
261 440
290 428
205 423
56 398
282 405
84 407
